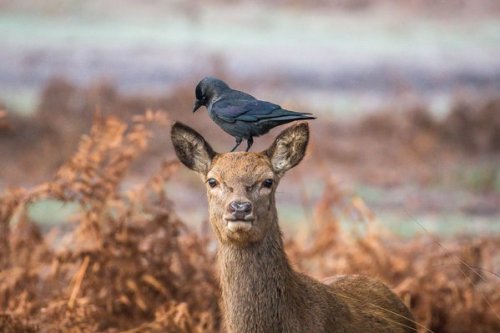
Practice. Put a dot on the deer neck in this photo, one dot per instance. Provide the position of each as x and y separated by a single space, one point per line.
257 284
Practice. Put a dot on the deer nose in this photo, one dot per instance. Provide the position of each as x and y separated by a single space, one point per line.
240 209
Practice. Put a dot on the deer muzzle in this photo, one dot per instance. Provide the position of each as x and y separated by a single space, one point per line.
239 216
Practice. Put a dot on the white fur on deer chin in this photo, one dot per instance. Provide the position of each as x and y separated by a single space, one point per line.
239 226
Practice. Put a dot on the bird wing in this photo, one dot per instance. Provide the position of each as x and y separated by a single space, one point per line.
250 110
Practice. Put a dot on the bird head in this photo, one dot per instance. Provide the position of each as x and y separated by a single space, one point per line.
208 89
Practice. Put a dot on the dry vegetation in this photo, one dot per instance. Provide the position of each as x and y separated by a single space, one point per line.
129 263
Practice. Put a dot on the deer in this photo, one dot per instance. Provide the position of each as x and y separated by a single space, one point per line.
260 291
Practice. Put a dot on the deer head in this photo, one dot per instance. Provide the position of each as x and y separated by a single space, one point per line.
241 186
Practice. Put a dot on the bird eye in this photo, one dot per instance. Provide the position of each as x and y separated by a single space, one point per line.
267 183
212 182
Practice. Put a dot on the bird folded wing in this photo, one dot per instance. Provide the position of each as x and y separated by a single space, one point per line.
245 110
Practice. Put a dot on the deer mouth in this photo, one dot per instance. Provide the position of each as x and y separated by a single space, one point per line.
239 225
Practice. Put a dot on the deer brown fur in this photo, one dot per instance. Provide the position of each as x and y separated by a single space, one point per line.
260 290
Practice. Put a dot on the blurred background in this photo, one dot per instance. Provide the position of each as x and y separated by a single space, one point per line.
406 94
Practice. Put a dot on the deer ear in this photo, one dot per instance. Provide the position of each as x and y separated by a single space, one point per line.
191 148
289 148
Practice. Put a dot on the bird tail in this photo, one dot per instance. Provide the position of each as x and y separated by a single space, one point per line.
287 116
277 121
299 116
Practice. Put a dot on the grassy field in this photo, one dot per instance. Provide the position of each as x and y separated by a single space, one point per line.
332 60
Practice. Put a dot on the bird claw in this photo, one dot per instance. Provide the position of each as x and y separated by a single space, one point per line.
249 144
238 142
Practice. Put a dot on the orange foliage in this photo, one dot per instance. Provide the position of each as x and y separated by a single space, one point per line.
130 264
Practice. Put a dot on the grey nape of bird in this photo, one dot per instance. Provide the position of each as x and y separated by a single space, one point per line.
240 114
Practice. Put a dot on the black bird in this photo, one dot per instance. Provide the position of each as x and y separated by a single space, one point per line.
240 114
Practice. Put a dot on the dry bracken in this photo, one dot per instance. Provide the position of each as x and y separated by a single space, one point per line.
129 264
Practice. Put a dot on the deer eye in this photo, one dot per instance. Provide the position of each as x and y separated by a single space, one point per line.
212 182
267 183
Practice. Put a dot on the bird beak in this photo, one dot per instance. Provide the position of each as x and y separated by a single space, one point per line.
197 105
